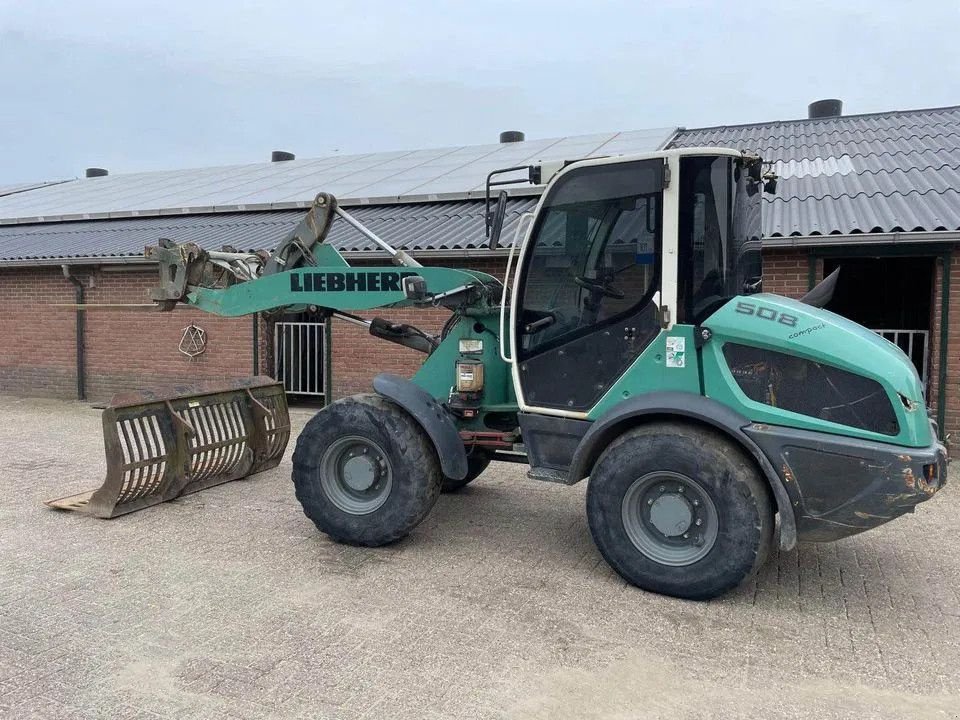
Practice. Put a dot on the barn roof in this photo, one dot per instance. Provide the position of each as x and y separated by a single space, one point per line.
855 175
885 172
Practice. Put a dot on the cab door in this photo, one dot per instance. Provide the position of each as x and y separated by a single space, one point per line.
585 302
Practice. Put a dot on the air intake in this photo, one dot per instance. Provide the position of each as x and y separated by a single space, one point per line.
96 172
509 136
825 109
281 156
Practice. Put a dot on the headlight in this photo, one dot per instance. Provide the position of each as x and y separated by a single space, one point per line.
469 376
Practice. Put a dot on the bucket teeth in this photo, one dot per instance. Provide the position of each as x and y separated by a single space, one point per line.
163 444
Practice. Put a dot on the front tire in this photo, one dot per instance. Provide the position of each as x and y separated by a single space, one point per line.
679 510
365 472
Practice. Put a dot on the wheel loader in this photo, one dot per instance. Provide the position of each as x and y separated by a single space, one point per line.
630 345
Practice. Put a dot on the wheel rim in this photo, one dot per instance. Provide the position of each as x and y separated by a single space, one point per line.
670 518
356 475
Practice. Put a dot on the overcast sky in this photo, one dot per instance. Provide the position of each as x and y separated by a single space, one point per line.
151 85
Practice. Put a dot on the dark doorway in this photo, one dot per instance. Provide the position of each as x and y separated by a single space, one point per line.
889 294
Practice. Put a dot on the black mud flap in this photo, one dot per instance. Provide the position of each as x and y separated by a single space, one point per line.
432 417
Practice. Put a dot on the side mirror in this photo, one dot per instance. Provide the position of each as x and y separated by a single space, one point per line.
495 225
414 288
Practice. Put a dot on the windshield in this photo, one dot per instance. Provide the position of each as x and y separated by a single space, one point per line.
719 234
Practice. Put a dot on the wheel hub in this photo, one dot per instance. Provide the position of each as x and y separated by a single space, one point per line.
670 518
356 475
360 472
671 514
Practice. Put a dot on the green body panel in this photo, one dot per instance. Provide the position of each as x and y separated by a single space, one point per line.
437 375
327 255
650 372
821 336
300 287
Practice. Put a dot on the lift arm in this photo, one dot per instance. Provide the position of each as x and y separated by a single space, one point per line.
341 287
305 271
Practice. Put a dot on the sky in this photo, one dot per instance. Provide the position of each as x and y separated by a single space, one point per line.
133 86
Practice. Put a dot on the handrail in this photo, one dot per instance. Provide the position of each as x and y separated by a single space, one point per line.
506 283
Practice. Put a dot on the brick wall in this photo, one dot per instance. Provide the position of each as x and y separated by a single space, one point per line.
37 351
787 272
126 348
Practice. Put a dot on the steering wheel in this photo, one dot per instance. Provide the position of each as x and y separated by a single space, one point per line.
597 286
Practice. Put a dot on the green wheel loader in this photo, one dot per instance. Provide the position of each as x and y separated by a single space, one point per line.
629 345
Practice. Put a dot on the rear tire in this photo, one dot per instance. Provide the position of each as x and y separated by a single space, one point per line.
365 472
679 510
477 462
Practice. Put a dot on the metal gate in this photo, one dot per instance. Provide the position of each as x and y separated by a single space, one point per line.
915 343
299 357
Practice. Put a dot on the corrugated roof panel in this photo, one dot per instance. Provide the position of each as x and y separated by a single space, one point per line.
353 178
425 226
872 173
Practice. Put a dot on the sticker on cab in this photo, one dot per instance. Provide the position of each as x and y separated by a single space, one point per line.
676 352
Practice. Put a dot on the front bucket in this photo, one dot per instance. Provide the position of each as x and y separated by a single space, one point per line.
164 444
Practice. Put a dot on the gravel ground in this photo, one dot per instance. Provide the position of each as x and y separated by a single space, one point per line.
228 604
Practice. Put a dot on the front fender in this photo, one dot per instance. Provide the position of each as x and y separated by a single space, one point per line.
682 405
432 417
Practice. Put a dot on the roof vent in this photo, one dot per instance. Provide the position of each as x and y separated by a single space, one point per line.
96 172
825 109
509 136
281 156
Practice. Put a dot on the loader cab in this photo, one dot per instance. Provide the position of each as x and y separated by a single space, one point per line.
620 249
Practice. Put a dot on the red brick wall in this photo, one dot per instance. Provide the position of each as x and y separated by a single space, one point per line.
787 272
37 351
130 348
126 348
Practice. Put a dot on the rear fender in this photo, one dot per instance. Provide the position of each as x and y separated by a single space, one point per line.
432 417
699 409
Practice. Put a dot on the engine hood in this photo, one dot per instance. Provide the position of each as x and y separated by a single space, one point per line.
789 326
